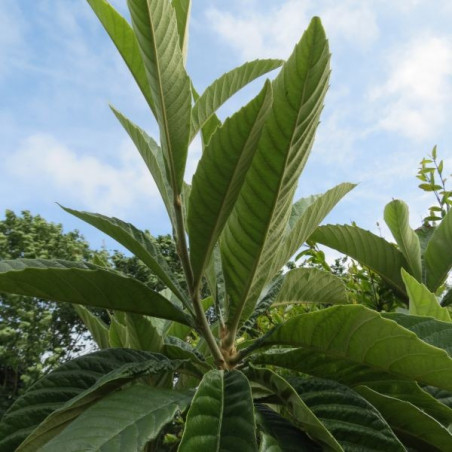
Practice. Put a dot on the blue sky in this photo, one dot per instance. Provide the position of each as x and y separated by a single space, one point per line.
389 103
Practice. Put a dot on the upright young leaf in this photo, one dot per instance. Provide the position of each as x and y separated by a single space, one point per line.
397 218
154 22
96 326
87 285
223 88
438 255
182 9
124 39
422 301
219 177
221 417
255 228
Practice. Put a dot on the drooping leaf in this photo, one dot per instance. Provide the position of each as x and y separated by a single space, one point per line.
299 413
219 177
223 88
67 382
422 301
311 285
414 427
367 248
124 420
124 39
154 23
438 255
353 344
354 423
152 155
182 9
397 218
87 285
306 215
221 417
279 435
137 242
96 326
255 228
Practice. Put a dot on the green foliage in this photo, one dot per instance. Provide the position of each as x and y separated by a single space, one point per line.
189 370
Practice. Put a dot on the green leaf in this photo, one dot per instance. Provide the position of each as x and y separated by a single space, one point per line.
182 9
85 284
220 175
422 301
414 427
223 88
221 416
311 285
137 242
124 420
299 413
142 332
367 248
354 422
154 22
353 344
447 298
255 228
280 435
67 382
306 215
438 256
397 218
153 157
124 39
445 397
95 325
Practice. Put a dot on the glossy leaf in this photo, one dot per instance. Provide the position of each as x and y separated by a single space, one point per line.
353 344
219 177
397 218
71 381
367 248
422 301
438 256
96 326
298 412
85 284
223 88
311 285
255 228
154 22
414 427
124 39
124 420
221 417
182 9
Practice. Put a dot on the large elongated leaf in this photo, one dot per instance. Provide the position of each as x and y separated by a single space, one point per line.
306 215
311 285
221 417
255 228
124 39
354 423
137 242
438 255
397 218
367 248
220 175
353 344
124 420
223 88
154 22
96 326
182 9
85 284
422 301
63 384
414 427
298 412
153 157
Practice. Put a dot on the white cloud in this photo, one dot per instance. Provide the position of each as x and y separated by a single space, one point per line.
418 88
52 171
